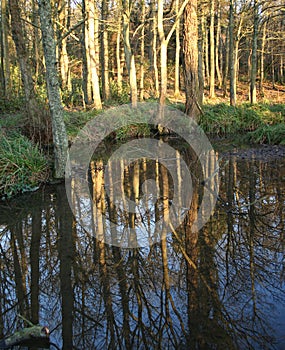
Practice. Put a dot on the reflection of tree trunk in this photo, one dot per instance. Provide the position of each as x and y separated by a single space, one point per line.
98 199
34 261
251 234
20 277
66 256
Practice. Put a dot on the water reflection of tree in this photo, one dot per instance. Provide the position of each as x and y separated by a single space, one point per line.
206 289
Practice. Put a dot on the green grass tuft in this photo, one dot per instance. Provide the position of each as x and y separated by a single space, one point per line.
22 165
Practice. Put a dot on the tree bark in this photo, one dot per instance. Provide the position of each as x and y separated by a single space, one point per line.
190 54
105 52
5 60
177 54
56 109
130 58
254 54
20 40
231 56
212 50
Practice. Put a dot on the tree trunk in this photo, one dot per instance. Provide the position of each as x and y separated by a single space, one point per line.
190 54
231 56
23 58
177 54
105 52
212 50
56 109
118 55
130 58
91 16
154 48
254 54
218 46
142 51
261 90
5 60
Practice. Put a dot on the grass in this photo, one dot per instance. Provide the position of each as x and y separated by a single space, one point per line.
260 123
22 165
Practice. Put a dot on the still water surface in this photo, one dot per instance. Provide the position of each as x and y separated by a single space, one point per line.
220 288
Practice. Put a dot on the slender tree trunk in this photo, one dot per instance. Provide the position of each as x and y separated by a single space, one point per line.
142 51
20 40
105 52
231 56
177 54
91 16
218 46
190 54
5 60
56 109
118 54
130 58
154 48
62 49
212 49
261 90
254 54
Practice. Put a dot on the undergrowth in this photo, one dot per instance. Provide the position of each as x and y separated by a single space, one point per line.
260 123
22 165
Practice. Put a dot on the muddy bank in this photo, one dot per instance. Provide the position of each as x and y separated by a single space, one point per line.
259 152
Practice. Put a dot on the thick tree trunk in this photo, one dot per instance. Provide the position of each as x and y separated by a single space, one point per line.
190 54
56 109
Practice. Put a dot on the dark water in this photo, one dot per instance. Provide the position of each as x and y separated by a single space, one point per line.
221 287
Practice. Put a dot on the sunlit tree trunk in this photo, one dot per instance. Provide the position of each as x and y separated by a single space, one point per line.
263 42
254 54
190 52
232 56
154 48
212 49
62 49
118 54
20 41
142 58
58 127
105 51
5 60
177 54
218 48
90 42
130 58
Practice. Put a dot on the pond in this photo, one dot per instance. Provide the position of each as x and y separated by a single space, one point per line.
103 277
